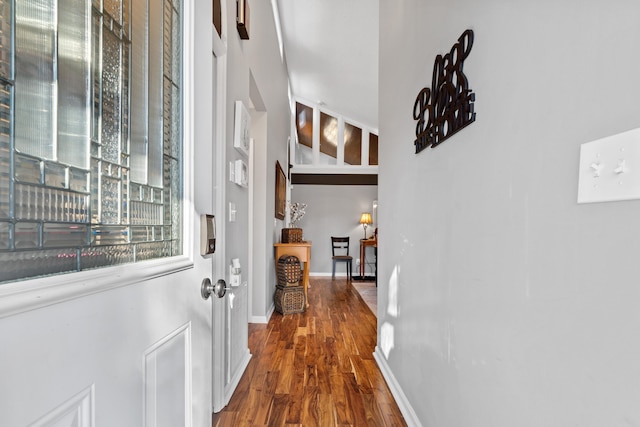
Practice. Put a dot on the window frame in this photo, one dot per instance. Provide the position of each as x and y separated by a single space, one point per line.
33 293
340 167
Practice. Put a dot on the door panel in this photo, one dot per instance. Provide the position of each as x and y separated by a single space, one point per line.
166 374
75 412
96 356
237 353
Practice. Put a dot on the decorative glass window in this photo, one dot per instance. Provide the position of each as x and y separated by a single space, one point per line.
335 142
90 134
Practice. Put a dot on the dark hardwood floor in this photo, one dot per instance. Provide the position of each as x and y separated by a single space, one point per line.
315 368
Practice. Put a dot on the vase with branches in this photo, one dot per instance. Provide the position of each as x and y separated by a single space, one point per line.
296 212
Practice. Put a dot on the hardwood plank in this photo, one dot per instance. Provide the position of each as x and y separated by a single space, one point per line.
314 368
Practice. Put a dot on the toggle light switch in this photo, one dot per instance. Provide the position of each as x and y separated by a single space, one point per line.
610 168
596 168
622 167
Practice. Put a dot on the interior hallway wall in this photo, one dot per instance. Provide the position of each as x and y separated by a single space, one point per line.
502 302
258 57
333 210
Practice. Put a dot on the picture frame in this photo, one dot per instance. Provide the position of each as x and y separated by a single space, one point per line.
281 192
242 129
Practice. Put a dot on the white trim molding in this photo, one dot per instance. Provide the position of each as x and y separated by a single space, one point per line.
401 399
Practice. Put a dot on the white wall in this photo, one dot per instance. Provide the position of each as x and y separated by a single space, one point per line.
260 57
334 210
502 302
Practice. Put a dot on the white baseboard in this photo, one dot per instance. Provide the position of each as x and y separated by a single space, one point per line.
327 274
403 403
231 387
263 319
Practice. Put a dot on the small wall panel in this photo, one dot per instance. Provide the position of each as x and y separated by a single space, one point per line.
78 411
167 368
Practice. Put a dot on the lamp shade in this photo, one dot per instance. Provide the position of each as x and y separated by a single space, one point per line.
365 218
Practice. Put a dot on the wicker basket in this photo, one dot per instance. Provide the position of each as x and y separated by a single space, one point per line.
288 271
291 235
289 300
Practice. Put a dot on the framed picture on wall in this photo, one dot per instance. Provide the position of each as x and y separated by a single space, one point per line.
281 191
242 129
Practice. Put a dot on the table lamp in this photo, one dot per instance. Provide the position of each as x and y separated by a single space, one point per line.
365 220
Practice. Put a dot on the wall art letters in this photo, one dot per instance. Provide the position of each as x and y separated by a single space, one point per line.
447 107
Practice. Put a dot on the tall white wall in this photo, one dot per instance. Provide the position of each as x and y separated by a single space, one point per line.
260 57
502 302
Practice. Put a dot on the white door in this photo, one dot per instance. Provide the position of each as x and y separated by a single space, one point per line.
129 345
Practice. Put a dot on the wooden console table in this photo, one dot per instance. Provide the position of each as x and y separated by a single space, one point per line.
363 248
302 250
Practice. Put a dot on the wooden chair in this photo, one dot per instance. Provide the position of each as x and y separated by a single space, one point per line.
340 253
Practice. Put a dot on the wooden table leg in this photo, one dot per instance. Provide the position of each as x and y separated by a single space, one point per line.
305 281
362 254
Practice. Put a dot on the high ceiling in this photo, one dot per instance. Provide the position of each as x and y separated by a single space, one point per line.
331 50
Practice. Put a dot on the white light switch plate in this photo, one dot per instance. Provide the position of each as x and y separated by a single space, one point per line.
610 168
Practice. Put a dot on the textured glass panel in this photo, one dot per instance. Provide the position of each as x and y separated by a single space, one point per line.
5 114
5 228
139 100
74 117
26 235
157 233
125 214
134 191
103 256
18 265
176 49
143 213
110 206
113 8
176 197
373 149
126 17
167 191
5 40
95 191
126 62
176 123
63 235
74 82
78 180
329 137
111 97
96 73
110 170
145 251
55 205
155 95
352 145
105 235
158 195
168 34
146 194
141 233
25 201
4 198
27 169
168 121
35 85
80 208
55 175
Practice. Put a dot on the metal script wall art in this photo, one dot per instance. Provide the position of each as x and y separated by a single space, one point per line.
447 107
